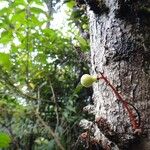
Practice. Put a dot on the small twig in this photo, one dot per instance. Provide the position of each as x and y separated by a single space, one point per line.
76 144
56 138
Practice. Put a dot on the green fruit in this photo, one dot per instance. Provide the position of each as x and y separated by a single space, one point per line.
87 80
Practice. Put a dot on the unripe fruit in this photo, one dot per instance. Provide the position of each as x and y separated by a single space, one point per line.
87 80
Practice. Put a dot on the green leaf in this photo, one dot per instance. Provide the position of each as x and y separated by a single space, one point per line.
5 60
66 114
39 2
18 2
51 34
33 21
4 140
5 11
83 43
6 36
70 108
71 4
36 10
51 144
20 16
60 130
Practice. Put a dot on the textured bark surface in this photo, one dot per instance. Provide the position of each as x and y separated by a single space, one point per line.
120 49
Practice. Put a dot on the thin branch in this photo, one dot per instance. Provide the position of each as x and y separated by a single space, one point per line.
27 44
10 85
39 94
18 92
75 147
68 127
56 106
50 7
56 138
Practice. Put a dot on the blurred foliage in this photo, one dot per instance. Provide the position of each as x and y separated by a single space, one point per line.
40 70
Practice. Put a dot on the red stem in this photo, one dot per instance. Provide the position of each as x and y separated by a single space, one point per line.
133 120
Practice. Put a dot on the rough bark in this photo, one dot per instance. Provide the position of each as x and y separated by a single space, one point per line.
119 37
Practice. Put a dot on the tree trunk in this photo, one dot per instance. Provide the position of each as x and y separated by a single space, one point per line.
119 37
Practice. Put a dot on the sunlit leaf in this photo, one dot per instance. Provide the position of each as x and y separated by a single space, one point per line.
6 37
5 60
83 43
4 140
36 10
20 16
18 2
71 4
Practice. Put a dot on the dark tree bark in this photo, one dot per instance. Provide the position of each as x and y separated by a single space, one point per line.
120 38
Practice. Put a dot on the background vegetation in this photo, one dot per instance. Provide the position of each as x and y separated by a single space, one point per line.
41 98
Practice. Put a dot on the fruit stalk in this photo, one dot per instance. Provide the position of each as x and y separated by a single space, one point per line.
134 123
